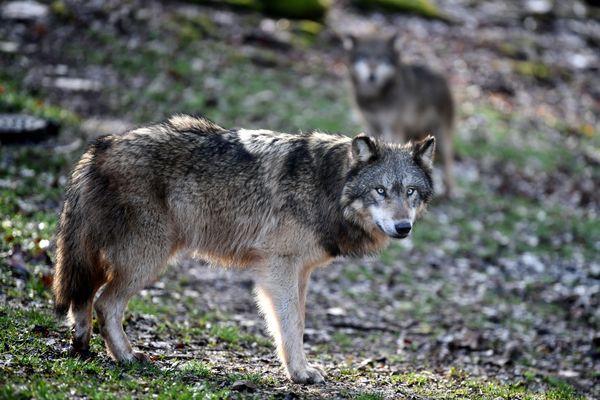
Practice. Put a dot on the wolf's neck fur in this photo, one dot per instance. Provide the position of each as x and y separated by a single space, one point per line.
338 235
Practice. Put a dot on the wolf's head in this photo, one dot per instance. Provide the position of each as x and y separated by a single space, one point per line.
373 61
388 185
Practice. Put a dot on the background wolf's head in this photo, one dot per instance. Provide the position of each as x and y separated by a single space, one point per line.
373 61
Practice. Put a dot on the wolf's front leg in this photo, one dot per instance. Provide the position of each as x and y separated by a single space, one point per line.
281 291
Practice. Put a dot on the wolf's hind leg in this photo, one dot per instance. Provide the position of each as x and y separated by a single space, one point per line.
126 281
81 316
281 291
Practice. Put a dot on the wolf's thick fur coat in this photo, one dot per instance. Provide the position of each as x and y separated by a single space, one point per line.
275 203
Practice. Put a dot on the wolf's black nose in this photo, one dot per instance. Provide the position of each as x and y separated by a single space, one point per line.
371 77
403 228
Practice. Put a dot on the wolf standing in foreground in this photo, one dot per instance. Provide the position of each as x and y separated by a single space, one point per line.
400 102
275 203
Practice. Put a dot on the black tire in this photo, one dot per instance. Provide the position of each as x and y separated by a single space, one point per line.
20 128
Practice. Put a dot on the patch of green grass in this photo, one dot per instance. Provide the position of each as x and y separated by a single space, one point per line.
233 336
33 321
369 396
32 188
197 368
225 333
458 385
254 377
15 99
349 372
411 379
494 390
143 305
37 370
519 225
342 340
540 71
560 390
456 373
499 140
357 273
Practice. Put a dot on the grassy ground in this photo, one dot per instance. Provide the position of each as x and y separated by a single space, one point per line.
486 301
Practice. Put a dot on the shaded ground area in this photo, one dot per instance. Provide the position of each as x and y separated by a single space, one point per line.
497 293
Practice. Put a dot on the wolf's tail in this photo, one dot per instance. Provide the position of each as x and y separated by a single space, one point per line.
79 270
75 275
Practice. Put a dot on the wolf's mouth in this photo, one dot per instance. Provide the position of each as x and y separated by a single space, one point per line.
393 235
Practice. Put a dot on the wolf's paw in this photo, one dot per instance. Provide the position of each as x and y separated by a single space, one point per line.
310 375
141 358
84 354
135 358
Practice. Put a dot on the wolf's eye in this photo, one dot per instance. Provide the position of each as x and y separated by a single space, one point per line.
380 191
410 191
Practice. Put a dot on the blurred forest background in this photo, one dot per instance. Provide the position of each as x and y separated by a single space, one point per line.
496 294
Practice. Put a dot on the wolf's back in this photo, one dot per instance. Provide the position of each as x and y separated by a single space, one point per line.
98 211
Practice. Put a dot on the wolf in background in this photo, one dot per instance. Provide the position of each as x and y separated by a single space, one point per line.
277 204
398 101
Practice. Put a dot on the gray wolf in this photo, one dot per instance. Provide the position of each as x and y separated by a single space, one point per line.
398 101
277 204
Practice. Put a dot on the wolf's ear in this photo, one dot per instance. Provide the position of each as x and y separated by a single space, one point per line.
424 151
364 148
349 41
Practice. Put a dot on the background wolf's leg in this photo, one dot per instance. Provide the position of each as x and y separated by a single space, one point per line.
372 127
280 292
447 155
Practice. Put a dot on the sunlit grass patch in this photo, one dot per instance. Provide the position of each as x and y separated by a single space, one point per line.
232 335
255 377
459 385
228 334
411 379
510 138
197 368
349 372
560 390
342 340
33 367
32 180
369 396
143 305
